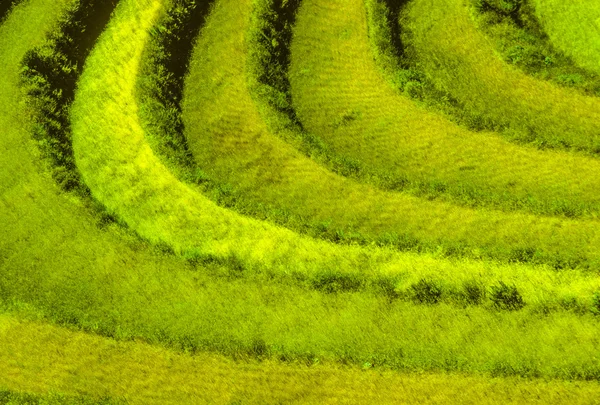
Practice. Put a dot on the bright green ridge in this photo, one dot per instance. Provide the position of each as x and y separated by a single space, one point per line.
307 255
326 86
233 134
55 263
122 172
66 231
458 58
345 101
574 27
232 144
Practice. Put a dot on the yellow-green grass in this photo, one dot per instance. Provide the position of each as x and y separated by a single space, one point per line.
8 397
231 143
340 96
574 27
379 262
459 59
521 41
123 173
56 264
39 358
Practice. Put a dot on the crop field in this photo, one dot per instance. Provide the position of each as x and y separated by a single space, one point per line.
299 202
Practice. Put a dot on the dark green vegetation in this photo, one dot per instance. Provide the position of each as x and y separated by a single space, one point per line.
5 7
234 281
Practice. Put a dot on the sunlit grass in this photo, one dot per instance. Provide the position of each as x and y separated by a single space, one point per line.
38 358
459 59
250 289
123 173
519 38
574 27
346 102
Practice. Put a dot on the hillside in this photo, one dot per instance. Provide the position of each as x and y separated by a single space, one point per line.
298 201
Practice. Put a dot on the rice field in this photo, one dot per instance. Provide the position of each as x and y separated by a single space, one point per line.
244 202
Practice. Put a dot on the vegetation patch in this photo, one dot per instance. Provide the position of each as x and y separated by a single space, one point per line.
157 109
8 397
572 27
506 297
457 57
50 74
208 284
521 40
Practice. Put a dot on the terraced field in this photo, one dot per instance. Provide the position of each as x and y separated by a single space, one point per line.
303 201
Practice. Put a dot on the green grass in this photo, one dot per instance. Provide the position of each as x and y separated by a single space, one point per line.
408 260
233 145
38 357
519 37
392 136
459 59
239 295
574 27
10 397
235 128
123 173
106 282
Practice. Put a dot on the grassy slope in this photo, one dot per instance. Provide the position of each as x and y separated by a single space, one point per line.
122 171
460 60
574 27
106 282
37 358
20 397
232 144
341 97
57 263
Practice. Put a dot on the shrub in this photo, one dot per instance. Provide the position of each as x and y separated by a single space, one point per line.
426 292
596 303
386 286
331 281
473 293
506 297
